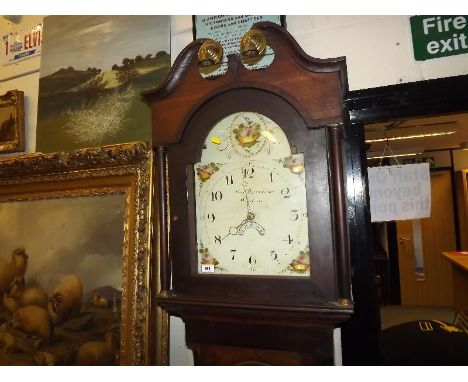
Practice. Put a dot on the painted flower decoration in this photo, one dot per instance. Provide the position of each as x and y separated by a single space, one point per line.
247 135
207 258
205 171
295 163
301 263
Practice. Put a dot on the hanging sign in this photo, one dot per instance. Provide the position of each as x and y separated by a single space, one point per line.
399 192
22 44
439 36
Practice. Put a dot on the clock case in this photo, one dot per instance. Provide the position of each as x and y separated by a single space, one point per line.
234 319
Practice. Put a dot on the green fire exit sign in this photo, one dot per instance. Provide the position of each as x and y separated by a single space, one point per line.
439 36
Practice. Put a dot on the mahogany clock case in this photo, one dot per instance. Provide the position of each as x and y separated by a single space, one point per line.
303 96
231 319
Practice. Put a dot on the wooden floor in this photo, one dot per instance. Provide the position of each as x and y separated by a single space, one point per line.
391 315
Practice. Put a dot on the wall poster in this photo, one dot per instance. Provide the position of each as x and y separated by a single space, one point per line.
93 69
228 30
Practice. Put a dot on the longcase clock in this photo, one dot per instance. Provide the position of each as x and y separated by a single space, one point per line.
250 199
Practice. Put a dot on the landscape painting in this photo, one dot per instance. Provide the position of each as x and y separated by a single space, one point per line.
93 69
61 280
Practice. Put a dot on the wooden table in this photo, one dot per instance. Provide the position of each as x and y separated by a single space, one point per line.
460 278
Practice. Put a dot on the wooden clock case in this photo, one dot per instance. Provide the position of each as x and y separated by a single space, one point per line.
241 320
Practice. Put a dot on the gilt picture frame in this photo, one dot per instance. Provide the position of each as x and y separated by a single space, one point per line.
80 218
12 121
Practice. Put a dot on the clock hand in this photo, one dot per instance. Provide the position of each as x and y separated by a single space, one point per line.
258 227
243 227
237 230
250 224
250 214
247 222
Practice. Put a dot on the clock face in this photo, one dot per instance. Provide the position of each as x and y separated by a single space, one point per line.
251 201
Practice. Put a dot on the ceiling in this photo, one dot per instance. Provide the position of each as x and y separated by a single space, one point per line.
417 126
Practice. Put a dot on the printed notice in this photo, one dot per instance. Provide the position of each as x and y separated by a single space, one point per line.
400 192
228 30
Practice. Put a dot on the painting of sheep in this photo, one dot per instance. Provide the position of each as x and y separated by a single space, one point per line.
61 280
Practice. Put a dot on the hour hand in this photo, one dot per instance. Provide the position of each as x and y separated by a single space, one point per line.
237 230
258 227
251 224
246 224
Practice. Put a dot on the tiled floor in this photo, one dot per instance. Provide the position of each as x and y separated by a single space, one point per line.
391 315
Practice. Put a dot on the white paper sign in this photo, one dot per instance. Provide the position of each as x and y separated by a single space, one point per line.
399 192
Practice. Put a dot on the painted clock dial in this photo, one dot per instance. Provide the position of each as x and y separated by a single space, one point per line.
250 199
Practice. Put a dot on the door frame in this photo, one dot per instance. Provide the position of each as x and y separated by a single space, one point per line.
431 97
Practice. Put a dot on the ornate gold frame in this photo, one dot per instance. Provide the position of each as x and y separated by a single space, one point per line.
15 99
108 170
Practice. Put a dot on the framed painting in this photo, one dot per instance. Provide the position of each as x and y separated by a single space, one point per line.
76 269
12 122
93 69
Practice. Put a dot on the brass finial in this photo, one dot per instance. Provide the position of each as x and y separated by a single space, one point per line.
252 46
210 53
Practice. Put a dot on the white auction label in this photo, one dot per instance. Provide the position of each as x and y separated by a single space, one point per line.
207 268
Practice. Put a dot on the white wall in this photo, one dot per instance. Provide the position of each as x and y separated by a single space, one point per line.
377 48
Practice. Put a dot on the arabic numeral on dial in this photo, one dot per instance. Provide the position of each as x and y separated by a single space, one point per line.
229 180
271 177
274 256
252 261
233 253
218 195
248 172
286 192
289 239
218 239
294 215
211 217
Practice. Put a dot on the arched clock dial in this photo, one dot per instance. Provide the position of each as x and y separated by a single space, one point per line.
251 201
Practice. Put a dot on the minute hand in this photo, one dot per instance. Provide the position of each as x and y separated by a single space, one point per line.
250 214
